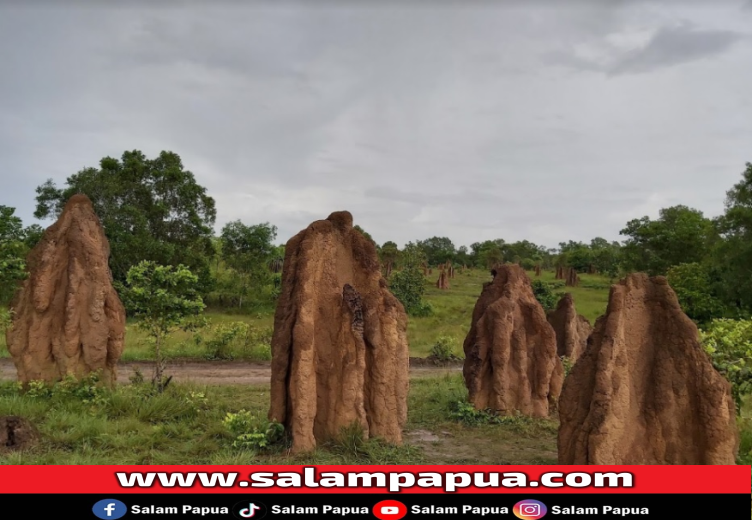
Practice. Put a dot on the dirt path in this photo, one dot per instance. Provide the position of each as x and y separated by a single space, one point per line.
222 372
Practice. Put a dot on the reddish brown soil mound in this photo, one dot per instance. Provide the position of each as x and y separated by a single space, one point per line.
510 351
443 281
572 280
68 318
16 433
572 330
644 391
339 349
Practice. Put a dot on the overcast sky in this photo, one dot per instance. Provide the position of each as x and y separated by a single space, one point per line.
541 120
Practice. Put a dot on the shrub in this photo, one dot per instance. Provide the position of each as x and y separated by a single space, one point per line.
466 413
87 390
251 431
443 349
236 339
408 286
219 346
544 294
729 344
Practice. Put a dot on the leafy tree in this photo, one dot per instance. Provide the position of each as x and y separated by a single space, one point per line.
734 254
389 252
576 255
694 289
679 235
606 257
12 253
488 253
163 297
32 235
151 209
247 250
412 255
462 257
521 250
729 344
438 249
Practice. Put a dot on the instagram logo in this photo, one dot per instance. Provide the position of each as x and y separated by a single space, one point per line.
530 509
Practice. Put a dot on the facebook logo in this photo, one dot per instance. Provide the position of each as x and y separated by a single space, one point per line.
110 508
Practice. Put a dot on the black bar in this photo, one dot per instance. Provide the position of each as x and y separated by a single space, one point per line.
267 506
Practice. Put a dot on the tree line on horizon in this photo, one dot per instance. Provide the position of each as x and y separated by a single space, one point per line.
155 210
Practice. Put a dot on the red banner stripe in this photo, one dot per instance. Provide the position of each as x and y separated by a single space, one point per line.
316 479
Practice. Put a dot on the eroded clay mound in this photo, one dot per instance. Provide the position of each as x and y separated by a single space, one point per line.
644 392
339 349
68 318
510 352
16 433
572 330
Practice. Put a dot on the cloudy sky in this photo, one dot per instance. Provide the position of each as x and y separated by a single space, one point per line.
541 120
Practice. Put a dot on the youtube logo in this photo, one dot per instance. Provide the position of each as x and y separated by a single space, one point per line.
389 510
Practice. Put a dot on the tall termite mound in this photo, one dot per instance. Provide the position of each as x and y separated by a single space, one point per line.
571 278
644 391
339 348
572 330
443 281
510 352
68 319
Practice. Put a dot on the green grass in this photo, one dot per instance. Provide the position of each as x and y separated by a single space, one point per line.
453 310
133 425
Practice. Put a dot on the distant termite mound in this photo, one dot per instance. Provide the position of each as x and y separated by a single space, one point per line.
443 281
68 319
644 391
339 348
571 278
572 330
510 352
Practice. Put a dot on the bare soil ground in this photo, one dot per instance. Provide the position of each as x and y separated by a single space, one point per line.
225 372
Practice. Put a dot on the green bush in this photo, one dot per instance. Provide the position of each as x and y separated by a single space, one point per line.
408 285
443 349
729 344
545 294
237 339
253 432
466 413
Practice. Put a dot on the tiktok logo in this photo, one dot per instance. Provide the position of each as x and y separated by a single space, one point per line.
249 510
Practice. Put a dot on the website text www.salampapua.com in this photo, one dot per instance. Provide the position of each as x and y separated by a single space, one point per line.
393 481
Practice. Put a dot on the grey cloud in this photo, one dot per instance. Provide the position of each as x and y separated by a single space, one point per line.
669 46
674 46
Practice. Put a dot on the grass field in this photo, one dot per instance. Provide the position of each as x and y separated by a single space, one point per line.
132 425
453 309
184 426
